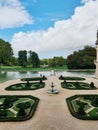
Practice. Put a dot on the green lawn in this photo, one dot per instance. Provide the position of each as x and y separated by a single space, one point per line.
19 68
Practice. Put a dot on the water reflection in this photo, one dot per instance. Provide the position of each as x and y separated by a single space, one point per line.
8 75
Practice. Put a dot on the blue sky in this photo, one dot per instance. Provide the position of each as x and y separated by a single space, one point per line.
49 27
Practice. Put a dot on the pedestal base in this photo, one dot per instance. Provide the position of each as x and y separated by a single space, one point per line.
52 92
96 71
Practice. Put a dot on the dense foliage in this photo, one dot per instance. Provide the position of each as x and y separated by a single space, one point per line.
82 59
22 58
6 53
33 59
53 62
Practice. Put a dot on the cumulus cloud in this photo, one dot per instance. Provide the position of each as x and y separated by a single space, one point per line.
76 32
13 14
84 1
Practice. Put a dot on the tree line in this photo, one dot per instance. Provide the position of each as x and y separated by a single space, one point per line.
81 59
26 58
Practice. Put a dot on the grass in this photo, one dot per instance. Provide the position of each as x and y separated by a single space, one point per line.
19 68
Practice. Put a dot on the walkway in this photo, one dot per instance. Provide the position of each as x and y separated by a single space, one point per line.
52 112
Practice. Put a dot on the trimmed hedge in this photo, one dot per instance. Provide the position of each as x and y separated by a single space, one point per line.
25 86
34 79
70 78
77 114
77 86
4 117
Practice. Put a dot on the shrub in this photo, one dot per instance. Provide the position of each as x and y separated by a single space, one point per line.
21 112
24 105
3 113
61 77
7 103
92 85
81 111
95 102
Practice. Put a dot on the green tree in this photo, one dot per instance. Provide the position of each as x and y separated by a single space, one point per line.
44 62
82 59
6 53
52 63
22 58
59 60
34 59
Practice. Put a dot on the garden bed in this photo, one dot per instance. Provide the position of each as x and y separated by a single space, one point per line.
78 86
17 108
83 107
71 78
25 86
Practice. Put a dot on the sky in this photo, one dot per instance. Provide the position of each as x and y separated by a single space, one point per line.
49 27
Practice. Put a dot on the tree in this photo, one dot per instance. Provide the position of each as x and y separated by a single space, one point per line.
34 59
22 58
6 52
82 59
59 60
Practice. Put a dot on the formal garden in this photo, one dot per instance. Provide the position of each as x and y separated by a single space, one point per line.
17 108
74 83
83 106
28 84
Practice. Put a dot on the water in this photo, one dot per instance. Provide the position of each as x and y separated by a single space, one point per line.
9 75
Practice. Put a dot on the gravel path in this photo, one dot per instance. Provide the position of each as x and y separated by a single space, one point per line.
52 112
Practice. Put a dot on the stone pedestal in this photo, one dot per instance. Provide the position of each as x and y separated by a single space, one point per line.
96 71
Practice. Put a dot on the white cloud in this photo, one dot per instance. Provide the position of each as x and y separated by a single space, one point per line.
76 32
12 14
84 1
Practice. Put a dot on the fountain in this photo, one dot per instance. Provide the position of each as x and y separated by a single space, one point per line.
52 90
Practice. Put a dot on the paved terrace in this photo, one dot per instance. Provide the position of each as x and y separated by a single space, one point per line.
52 112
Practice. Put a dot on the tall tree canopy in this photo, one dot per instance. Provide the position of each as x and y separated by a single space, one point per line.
6 52
82 59
22 58
34 59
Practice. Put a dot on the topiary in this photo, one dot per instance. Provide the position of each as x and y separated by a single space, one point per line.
21 112
7 103
3 113
92 85
81 111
